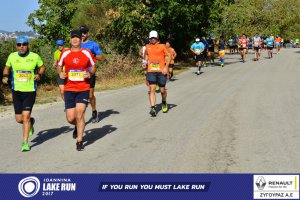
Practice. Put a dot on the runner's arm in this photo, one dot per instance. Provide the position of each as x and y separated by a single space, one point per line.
192 50
100 57
40 72
144 65
175 54
6 72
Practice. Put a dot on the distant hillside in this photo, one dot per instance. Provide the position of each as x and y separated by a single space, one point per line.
1 31
18 33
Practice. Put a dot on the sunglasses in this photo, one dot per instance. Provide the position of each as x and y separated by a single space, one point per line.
83 32
22 44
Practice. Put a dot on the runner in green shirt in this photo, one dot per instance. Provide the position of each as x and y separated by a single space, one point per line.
22 65
56 56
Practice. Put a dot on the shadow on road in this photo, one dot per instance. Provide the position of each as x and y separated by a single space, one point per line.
45 135
159 107
103 115
93 135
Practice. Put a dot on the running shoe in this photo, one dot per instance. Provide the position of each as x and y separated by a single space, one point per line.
165 108
79 146
153 112
95 118
25 146
222 64
75 133
198 72
31 131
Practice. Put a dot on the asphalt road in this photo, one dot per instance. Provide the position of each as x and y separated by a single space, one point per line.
237 119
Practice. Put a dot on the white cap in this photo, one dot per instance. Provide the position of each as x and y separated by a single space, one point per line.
197 40
153 34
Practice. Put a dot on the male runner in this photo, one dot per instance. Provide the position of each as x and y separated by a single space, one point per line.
173 55
197 48
56 56
22 65
97 52
158 63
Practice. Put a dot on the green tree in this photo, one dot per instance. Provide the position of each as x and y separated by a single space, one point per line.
53 18
263 16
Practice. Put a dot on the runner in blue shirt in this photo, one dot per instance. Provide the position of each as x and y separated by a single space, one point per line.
197 48
96 50
270 46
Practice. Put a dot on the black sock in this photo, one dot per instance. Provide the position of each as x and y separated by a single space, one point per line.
164 102
152 107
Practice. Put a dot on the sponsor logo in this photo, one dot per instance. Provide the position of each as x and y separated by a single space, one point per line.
76 60
260 183
276 187
29 187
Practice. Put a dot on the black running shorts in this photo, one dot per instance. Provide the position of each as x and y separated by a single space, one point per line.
23 101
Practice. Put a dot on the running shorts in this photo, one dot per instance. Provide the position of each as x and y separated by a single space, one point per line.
23 101
156 78
72 98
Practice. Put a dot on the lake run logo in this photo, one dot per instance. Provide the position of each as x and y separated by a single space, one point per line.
29 187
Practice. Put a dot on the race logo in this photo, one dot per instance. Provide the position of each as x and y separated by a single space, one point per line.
261 183
29 187
76 60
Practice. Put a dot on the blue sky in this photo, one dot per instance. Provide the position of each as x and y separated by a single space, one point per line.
14 14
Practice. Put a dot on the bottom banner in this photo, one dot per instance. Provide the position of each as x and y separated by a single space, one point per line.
149 186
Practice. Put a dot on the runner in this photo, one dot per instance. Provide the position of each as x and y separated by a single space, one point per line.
256 45
60 82
243 46
173 55
249 46
79 68
22 65
231 45
197 48
221 45
270 46
205 52
96 50
265 43
211 50
278 43
158 64
142 54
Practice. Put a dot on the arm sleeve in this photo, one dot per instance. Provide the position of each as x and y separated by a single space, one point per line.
39 62
8 62
97 49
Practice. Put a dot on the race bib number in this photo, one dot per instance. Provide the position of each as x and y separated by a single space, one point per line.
256 44
76 75
23 76
154 66
244 45
197 51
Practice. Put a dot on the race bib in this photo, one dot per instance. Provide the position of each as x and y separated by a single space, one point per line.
76 75
256 44
154 66
23 76
244 45
197 51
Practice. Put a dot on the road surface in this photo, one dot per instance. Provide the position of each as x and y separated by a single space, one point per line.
243 118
